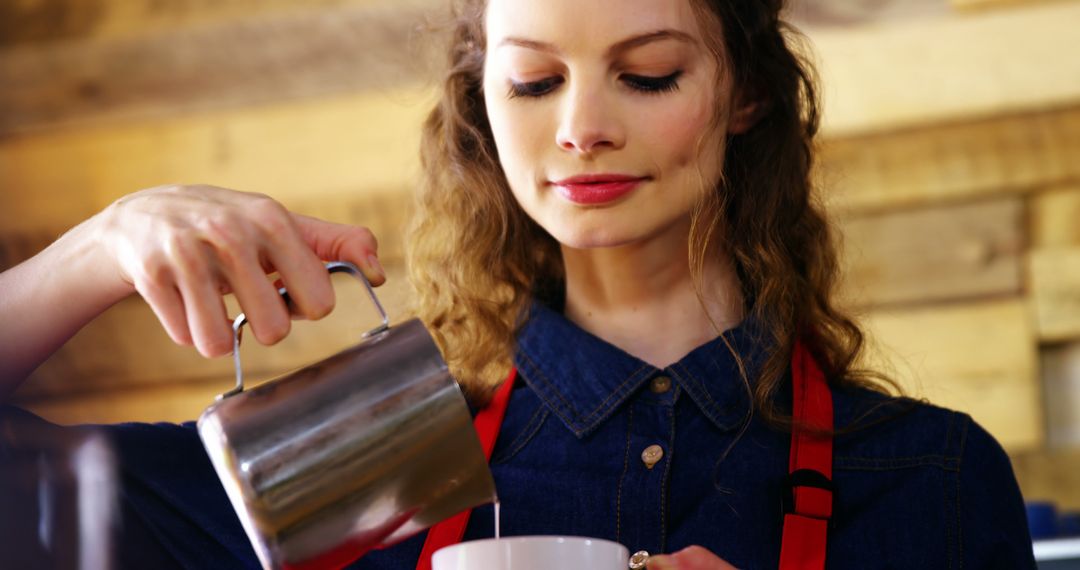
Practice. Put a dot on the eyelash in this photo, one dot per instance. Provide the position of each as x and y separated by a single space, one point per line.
640 83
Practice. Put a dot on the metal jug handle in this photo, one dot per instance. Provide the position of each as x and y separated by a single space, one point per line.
331 267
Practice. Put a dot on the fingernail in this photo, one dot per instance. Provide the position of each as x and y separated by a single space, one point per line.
373 263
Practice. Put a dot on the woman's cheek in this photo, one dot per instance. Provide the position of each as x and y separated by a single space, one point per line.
676 132
502 121
521 140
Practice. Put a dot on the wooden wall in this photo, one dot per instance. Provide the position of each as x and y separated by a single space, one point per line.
951 159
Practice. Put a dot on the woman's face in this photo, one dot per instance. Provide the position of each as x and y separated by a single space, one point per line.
619 93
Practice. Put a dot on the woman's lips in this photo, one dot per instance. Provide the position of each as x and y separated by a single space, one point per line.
597 188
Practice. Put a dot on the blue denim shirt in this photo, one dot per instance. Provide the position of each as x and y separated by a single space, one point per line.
923 488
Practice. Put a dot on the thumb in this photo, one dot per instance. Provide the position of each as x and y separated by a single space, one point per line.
342 242
689 558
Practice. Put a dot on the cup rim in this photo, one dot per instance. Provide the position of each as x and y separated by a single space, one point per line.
549 538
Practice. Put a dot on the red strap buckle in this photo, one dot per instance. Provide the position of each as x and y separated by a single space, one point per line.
808 493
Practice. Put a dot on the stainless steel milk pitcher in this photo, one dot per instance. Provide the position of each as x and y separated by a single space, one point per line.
362 449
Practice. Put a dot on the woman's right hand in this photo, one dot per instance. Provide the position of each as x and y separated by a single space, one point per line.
183 247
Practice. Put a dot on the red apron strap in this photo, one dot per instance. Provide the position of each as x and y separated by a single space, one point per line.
810 471
487 424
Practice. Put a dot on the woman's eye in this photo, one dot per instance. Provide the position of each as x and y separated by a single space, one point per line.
534 88
641 83
647 84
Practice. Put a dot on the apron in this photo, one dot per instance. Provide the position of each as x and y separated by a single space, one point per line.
807 507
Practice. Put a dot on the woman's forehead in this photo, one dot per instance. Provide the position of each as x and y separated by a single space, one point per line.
569 25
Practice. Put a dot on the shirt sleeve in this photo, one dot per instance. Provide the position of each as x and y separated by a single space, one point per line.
169 487
993 523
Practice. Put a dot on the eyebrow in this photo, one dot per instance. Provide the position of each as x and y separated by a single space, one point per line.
617 48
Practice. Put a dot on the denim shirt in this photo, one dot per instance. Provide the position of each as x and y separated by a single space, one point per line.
921 487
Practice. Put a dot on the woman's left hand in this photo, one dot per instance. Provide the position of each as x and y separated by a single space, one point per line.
689 558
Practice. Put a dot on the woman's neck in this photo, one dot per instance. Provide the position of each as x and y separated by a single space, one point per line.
641 297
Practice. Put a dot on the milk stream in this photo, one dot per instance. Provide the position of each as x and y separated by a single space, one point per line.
497 520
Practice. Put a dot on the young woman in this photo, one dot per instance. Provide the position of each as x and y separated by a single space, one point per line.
617 206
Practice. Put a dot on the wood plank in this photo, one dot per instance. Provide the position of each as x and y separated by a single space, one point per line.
979 358
167 403
43 21
1050 476
1061 384
966 66
937 254
951 162
1054 218
963 66
350 145
990 4
815 15
1054 277
126 347
253 60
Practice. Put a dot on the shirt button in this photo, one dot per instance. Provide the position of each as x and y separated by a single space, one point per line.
652 455
660 384
639 560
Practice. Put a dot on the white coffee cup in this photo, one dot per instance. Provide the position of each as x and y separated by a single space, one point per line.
533 553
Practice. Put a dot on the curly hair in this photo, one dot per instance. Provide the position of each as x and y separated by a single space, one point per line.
476 260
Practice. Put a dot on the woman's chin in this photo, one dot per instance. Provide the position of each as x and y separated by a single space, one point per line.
592 238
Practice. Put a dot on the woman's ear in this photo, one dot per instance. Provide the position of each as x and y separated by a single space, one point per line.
748 110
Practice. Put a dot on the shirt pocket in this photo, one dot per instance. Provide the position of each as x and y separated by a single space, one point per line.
516 434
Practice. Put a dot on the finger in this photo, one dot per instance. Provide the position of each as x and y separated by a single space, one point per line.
661 562
282 248
204 307
699 558
168 306
342 242
301 272
262 305
690 558
208 323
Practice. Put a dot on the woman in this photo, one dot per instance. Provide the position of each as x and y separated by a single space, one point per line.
617 206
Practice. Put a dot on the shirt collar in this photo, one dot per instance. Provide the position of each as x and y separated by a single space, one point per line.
584 379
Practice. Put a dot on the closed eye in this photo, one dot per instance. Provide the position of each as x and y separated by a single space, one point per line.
534 89
639 83
647 84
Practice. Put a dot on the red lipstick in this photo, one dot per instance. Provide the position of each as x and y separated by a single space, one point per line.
597 188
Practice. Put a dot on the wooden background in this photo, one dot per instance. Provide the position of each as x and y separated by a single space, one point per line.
951 159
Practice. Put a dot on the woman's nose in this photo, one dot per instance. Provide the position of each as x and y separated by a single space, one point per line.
589 123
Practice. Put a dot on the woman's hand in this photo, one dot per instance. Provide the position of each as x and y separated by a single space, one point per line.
689 558
182 248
